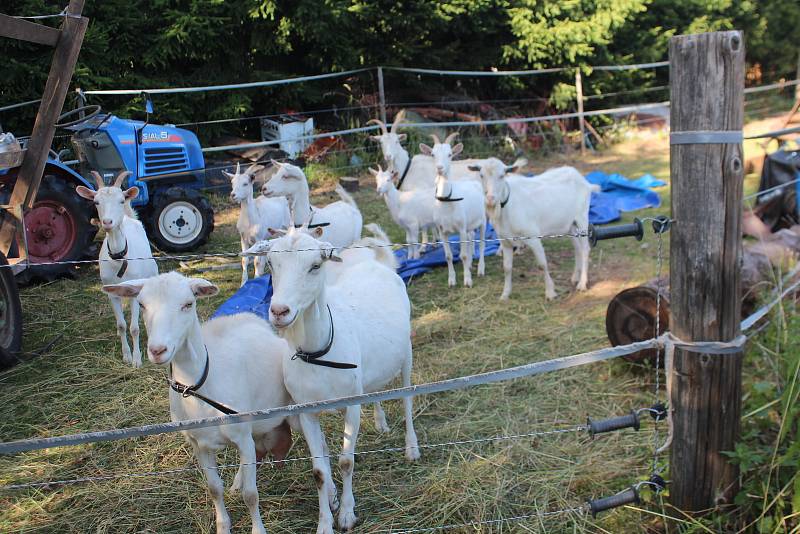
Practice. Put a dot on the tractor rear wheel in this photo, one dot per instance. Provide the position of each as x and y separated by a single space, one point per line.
181 219
57 227
10 316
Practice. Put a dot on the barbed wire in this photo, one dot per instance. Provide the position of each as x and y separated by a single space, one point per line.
146 474
63 13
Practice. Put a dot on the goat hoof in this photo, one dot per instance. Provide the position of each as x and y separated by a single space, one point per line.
467 283
582 287
412 454
550 295
504 296
382 428
347 520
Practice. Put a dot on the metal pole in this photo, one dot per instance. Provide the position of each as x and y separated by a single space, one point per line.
381 95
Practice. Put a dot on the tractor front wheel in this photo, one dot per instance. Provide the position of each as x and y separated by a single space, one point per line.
10 316
181 220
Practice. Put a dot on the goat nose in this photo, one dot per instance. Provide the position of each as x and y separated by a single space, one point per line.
107 222
279 310
157 350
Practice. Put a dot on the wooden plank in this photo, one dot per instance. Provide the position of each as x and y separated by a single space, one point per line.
55 92
707 83
581 119
11 159
25 30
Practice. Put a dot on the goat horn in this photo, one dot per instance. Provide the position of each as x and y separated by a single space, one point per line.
238 170
450 138
436 139
98 180
400 117
384 131
120 177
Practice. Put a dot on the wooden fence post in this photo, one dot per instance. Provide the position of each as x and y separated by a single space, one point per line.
707 85
581 120
381 95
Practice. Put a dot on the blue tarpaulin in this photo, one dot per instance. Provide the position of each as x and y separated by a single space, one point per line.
621 194
618 194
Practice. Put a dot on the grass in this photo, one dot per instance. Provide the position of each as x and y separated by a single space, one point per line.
82 384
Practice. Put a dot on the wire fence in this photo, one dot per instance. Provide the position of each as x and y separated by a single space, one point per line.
658 342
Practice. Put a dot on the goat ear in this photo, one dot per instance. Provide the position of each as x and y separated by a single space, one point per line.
85 192
228 175
425 149
519 163
276 163
328 254
127 289
316 232
458 149
131 193
253 169
261 248
202 288
277 232
474 168
375 137
402 137
373 172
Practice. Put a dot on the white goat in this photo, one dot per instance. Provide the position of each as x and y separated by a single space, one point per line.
419 171
125 253
256 215
412 210
459 207
235 361
358 322
554 202
340 221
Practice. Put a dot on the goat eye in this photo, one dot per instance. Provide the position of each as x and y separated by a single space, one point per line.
187 306
315 267
142 306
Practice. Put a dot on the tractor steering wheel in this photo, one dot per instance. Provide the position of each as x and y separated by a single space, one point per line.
91 112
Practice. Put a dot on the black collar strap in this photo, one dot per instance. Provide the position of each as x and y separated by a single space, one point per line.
119 256
449 197
313 357
508 195
316 225
405 173
187 391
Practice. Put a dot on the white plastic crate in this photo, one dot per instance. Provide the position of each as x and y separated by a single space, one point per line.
286 129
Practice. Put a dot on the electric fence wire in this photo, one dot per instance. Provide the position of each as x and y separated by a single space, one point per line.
102 478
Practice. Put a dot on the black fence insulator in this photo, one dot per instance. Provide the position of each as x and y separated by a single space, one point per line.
658 482
614 423
628 496
634 229
658 411
661 224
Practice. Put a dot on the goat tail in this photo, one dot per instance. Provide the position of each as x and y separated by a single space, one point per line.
381 243
595 188
345 196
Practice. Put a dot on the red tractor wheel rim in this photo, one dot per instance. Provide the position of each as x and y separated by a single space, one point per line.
51 231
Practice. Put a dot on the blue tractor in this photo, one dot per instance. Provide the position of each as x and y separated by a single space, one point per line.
166 164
